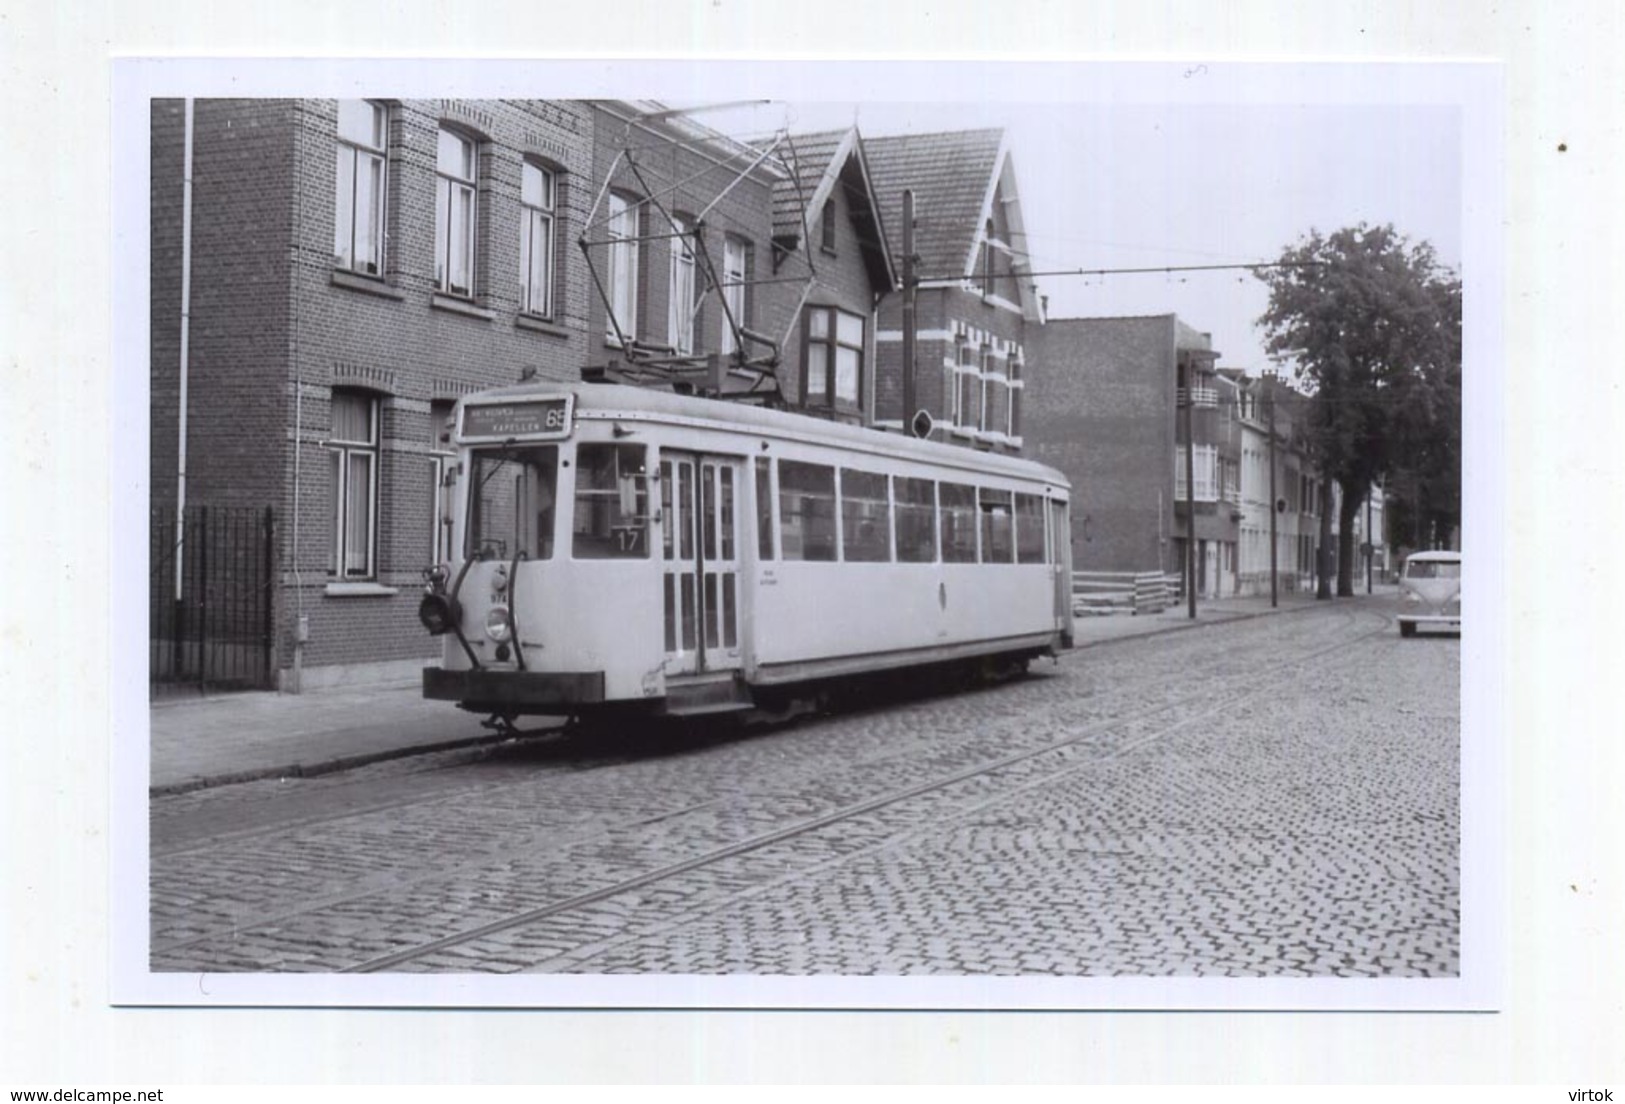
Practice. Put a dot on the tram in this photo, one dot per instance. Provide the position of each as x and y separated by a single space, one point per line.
628 548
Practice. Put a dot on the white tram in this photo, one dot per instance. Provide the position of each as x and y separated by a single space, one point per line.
624 547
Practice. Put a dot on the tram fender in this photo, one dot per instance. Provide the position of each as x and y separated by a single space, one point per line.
518 688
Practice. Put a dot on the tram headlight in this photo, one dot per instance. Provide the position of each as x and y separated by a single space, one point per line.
496 624
439 613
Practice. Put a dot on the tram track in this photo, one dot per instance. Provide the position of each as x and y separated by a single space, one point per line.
1118 721
569 755
859 809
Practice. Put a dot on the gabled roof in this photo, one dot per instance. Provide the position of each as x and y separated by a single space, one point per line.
953 174
816 164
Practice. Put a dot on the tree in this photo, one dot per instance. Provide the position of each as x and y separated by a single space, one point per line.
1372 325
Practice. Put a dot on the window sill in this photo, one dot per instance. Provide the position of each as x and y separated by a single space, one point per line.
442 301
540 325
361 590
368 284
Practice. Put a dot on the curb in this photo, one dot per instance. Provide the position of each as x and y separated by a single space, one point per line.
1184 626
331 766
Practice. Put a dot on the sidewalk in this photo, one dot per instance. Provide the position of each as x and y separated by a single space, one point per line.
213 741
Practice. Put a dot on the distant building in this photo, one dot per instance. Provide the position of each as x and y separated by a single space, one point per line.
1105 408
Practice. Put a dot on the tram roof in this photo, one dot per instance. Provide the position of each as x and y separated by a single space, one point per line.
610 399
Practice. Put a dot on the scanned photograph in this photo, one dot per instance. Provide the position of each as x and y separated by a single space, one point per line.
714 550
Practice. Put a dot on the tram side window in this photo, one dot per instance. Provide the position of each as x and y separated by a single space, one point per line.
511 506
764 508
865 524
998 527
806 511
1029 529
612 502
958 522
916 520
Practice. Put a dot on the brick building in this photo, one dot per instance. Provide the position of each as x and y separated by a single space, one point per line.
976 305
355 267
1105 409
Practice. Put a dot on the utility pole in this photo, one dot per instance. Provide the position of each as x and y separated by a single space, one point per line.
1190 499
908 314
1270 400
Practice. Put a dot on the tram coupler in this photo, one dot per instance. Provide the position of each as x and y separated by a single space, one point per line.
502 724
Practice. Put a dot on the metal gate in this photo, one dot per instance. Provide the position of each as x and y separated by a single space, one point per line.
211 629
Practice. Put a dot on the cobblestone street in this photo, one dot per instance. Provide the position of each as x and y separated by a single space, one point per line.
1274 797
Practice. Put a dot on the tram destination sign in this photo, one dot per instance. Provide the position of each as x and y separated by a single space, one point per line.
529 418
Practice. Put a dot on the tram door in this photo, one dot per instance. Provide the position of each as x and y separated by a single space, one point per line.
699 509
1060 536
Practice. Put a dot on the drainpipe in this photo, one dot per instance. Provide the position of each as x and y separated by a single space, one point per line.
186 321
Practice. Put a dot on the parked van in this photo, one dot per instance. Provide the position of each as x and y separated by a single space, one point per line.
1430 592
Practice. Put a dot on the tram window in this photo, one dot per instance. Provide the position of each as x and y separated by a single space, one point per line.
958 522
998 526
916 520
612 502
511 504
865 526
764 508
1029 529
806 511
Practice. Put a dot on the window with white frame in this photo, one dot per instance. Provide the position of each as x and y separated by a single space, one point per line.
834 358
984 419
359 192
995 396
950 384
735 271
456 191
681 302
353 452
970 390
538 202
1014 413
1205 461
623 268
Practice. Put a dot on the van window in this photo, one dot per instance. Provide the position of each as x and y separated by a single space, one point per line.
1433 569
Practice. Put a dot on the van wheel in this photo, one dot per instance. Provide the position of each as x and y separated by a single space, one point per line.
1407 628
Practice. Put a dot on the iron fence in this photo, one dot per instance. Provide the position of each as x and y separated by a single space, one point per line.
211 617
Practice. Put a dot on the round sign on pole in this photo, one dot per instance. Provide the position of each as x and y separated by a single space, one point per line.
922 423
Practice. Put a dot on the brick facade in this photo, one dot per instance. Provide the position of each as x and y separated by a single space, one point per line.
1105 409
1101 409
277 328
280 329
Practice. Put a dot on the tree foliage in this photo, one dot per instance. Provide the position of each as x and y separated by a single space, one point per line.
1371 324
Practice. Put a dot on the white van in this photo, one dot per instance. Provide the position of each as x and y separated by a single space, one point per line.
1430 592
